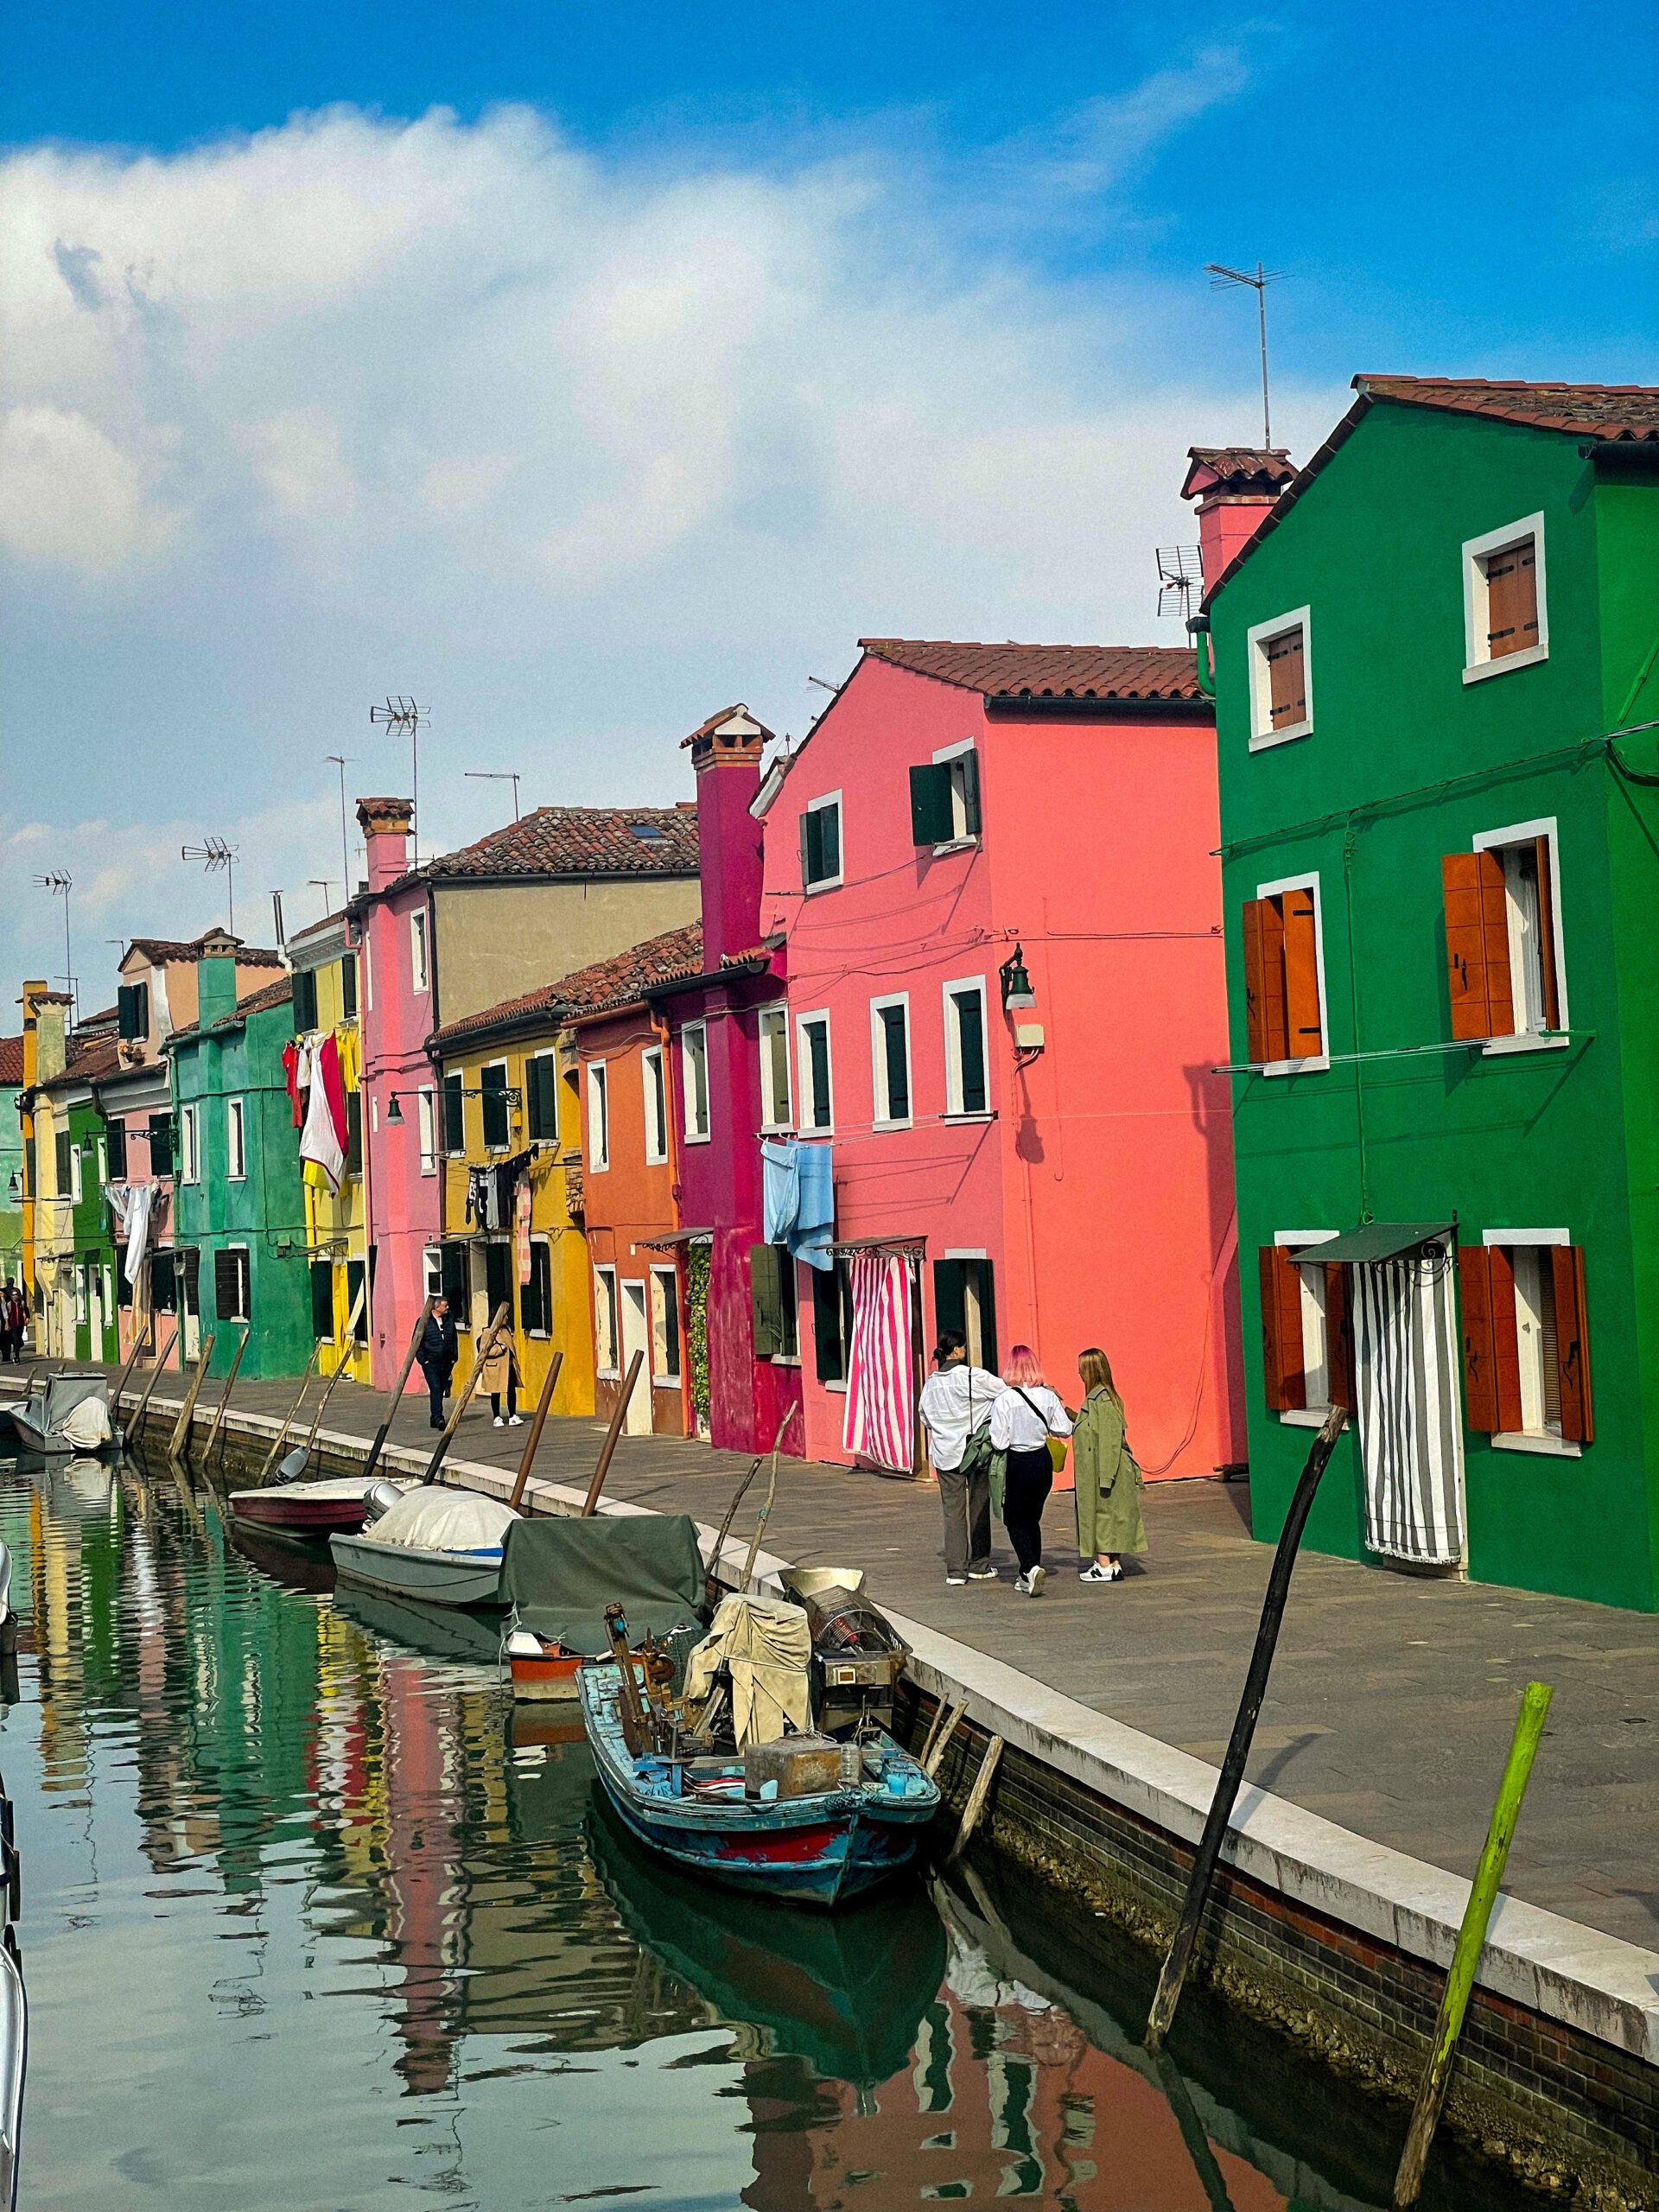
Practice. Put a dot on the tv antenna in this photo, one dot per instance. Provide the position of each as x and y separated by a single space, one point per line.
496 775
217 858
1222 279
404 718
60 883
320 883
1180 573
340 761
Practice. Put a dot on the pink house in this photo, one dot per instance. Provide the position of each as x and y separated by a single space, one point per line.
994 867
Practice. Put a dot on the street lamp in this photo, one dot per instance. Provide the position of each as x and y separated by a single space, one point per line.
1016 984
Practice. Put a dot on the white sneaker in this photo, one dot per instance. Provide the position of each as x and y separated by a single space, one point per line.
515 1421
499 1423
956 1581
1032 1584
982 1574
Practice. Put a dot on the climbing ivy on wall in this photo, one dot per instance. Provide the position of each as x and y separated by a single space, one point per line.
697 1329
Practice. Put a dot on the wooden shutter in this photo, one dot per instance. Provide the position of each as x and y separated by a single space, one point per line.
115 1137
540 1077
1479 1368
811 867
767 1300
949 1304
161 1144
305 1000
1287 679
930 818
497 1276
536 1297
829 1341
348 987
492 1082
1339 1338
969 1010
967 766
1506 1339
1478 944
1305 1032
354 1290
62 1150
1255 985
1572 1343
1512 600
189 1266
454 1113
226 1285
1547 934
322 1298
354 1133
126 1010
452 1261
1282 1359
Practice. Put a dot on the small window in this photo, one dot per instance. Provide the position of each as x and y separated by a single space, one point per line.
536 1296
967 1084
1503 939
655 1084
1525 1341
812 1058
236 1140
454 1113
890 1056
664 1324
353 1134
452 1265
1504 620
189 1153
1281 690
132 1010
492 1084
777 1109
426 1108
75 1173
1306 1335
606 1320
432 1271
944 799
542 1076
832 1321
772 1302
348 987
820 844
418 961
694 1078
116 1135
160 1132
1284 978
599 1115
231 1285
305 1000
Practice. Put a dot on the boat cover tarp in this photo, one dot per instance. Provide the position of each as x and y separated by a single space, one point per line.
86 1426
444 1521
74 1408
767 1645
559 1574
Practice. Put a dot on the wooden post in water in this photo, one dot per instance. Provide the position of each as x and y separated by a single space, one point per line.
536 1427
224 1395
1173 1977
134 1424
717 1556
333 1384
618 1415
485 1346
282 1434
977 1798
1472 1935
375 1449
772 1492
125 1376
182 1427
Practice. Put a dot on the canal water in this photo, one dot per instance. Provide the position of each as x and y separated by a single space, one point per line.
314 1918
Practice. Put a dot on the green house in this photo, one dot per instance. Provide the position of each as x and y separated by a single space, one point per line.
75 1239
1435 663
238 1210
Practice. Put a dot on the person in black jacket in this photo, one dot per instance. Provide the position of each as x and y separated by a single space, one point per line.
437 1354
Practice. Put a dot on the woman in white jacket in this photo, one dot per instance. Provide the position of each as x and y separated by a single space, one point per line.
1023 1418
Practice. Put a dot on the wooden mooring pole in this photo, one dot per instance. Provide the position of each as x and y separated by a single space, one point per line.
137 1422
618 1415
1472 1935
378 1445
182 1427
225 1396
281 1437
1199 1882
549 1386
772 1493
485 1346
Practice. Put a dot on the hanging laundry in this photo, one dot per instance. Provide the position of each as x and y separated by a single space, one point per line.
780 1176
521 1228
879 1427
815 1218
322 1142
351 1058
296 1074
140 1198
120 1200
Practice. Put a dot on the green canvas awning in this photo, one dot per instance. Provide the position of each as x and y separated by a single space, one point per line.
559 1574
1373 1240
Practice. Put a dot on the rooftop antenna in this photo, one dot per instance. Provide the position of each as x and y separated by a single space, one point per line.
60 883
1179 574
1222 279
320 883
217 857
496 775
340 761
402 716
277 920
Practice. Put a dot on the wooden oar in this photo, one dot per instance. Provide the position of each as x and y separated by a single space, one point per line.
373 1459
137 1422
182 1427
536 1429
485 1346
225 1396
619 1413
282 1434
333 1384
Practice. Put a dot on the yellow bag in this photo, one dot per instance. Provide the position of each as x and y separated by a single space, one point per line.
1057 1448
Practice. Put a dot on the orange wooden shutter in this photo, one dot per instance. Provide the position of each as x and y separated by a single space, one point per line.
1572 1343
1306 1036
1479 1376
1512 600
1281 1330
1287 679
1338 1337
1478 944
1506 1339
1255 1013
1546 936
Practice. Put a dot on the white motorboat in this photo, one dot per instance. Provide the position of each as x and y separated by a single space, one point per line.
64 1413
444 1547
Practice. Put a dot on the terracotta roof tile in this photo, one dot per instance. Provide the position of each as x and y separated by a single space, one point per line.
583 841
12 1059
605 984
88 1059
162 949
276 994
1238 468
1013 671
1585 411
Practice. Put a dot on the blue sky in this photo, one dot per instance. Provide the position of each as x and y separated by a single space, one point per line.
680 346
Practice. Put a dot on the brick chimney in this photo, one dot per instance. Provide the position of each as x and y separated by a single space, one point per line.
725 753
1235 487
385 823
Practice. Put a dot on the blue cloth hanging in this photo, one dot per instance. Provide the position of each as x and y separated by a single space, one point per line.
781 1188
814 1226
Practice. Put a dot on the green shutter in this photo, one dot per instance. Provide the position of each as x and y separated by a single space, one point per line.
492 1082
453 1258
126 1007
948 1311
541 1076
63 1163
497 1276
348 986
322 1298
970 1039
354 1133
116 1134
305 1000
808 851
353 1286
454 1115
161 1144
967 765
930 822
767 1300
893 1019
830 1316
536 1297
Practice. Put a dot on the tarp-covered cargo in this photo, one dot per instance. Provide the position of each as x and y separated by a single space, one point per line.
558 1574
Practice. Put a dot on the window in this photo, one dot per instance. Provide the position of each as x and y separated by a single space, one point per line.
454 1115
133 1010
772 1303
357 1302
963 1301
75 1172
1307 1351
426 1110
452 1261
305 1000
1526 1354
820 844
541 1078
777 1109
348 987
492 1082
432 1271
694 1079
655 1084
418 961
944 799
116 1140
1503 939
322 1300
832 1321
1505 621
498 1277
606 1320
536 1296
1282 692
354 1133
812 1057
967 1084
1284 978
160 1132
890 1056
599 1115
232 1284
664 1324
236 1142
189 1150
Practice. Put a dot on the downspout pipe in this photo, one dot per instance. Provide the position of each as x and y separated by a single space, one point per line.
1198 628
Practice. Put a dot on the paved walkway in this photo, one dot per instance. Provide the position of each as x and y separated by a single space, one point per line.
1392 1697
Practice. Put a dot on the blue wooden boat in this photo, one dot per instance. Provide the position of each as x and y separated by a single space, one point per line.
705 1813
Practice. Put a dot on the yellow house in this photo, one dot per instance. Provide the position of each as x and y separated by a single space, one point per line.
510 1132
324 960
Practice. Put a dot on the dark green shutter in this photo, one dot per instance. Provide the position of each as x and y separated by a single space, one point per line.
949 1309
536 1297
123 1287
967 765
322 1297
226 1282
765 1301
163 1288
817 1046
829 1322
540 1076
161 1144
931 819
126 1010
116 1136
454 1115
970 1040
305 1000
492 1082
498 1277
353 1286
808 851
893 1041
453 1258
63 1163
668 1281
829 821
348 986
987 1318
788 1316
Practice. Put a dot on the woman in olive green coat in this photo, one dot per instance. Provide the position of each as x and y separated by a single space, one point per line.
1107 1480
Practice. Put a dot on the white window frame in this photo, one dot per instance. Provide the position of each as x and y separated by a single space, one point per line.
1299 1243
1527 833
236 1142
1257 639
484 1066
368 976
828 882
598 1116
604 1271
808 1126
696 1132
102 1163
1315 1061
189 1159
653 1065
1544 1442
879 1118
771 1031
76 1173
420 959
247 1276
964 840
665 1282
426 1122
955 1110
1477 661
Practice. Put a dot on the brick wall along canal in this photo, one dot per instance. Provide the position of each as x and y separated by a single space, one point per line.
313 1919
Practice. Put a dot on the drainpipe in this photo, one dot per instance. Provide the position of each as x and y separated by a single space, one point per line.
1198 628
660 1028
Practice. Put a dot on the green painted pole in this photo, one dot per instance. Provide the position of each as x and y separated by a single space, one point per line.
1471 1937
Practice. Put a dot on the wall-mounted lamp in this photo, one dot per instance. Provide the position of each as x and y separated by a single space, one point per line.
1016 984
511 1092
14 1187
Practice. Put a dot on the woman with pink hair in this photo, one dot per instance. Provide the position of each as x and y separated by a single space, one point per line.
1026 1420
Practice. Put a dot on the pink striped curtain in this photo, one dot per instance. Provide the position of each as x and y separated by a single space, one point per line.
880 1421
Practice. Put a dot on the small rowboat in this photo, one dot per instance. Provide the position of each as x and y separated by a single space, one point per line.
64 1413
334 1507
443 1547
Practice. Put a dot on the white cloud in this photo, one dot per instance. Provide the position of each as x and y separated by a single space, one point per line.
70 497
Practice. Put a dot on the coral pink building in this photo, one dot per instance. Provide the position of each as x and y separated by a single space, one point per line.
964 818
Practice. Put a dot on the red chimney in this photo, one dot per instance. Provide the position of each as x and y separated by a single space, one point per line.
384 824
1235 487
726 752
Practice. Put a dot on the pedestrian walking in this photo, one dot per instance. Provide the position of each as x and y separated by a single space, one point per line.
1108 1479
955 1409
500 1376
14 1324
1029 1426
437 1353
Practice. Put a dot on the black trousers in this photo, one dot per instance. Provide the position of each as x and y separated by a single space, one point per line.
437 1383
512 1398
1030 1478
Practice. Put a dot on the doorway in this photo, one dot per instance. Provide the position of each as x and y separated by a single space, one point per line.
1410 1413
636 1338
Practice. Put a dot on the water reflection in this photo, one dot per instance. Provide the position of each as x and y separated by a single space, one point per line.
313 1919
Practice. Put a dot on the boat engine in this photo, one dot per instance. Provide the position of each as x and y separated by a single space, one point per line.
379 1497
857 1658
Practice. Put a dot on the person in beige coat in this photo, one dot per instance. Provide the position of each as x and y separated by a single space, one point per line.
500 1376
1106 1477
